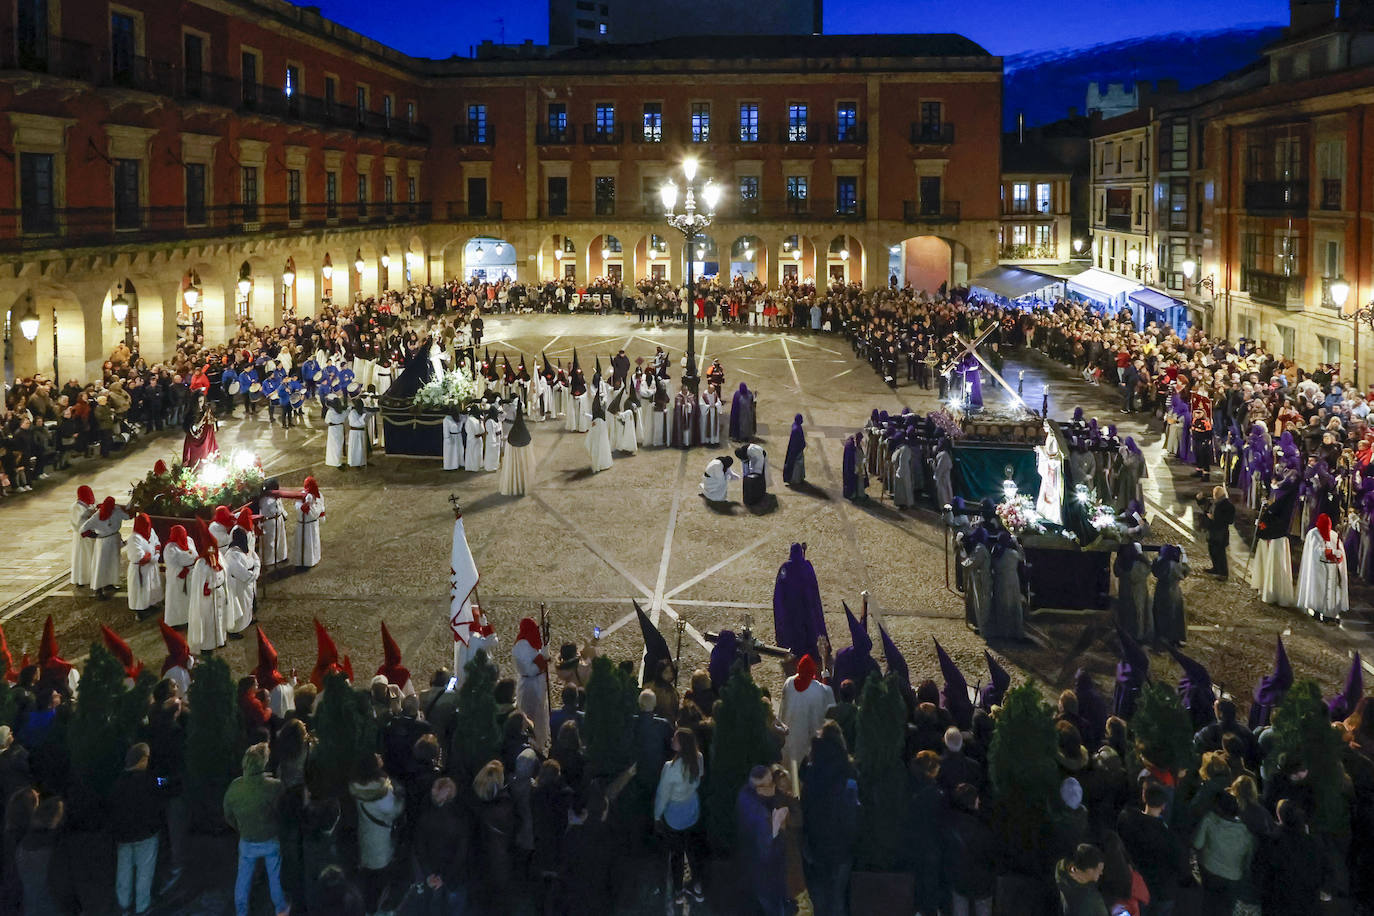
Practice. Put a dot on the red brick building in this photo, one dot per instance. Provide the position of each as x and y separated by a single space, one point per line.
267 158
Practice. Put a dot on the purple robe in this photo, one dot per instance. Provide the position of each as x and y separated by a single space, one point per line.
722 658
1343 704
996 688
1092 708
1272 688
954 695
973 380
1195 689
798 620
1180 409
855 662
743 421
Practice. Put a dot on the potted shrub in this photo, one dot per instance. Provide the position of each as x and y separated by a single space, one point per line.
880 882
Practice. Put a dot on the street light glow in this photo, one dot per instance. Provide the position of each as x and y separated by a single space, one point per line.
689 168
1189 268
668 194
1340 291
711 194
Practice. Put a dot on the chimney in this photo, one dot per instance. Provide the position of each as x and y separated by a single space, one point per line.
1304 15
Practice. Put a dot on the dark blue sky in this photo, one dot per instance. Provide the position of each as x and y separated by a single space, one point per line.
438 28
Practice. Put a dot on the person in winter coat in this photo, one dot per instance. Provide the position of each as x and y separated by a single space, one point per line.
677 812
1076 879
1225 847
1155 849
759 838
443 839
379 807
1290 866
40 861
830 820
252 808
496 829
968 861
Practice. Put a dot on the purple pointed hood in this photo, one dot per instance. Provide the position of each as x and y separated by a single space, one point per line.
1092 707
1132 673
954 695
998 681
1343 703
1272 687
723 655
896 662
1194 688
855 662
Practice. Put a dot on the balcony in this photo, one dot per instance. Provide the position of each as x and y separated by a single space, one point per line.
593 134
1117 222
555 135
459 211
474 134
945 211
648 133
798 133
1028 253
74 227
1275 289
749 133
856 133
59 57
1276 198
932 133
809 210
1331 194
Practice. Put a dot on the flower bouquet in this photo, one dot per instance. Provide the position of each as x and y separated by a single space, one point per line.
1018 515
946 423
450 390
183 492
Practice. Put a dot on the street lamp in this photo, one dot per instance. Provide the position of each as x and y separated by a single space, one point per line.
386 259
245 281
1339 289
690 223
28 324
1078 245
358 261
327 271
288 276
119 305
1190 269
191 294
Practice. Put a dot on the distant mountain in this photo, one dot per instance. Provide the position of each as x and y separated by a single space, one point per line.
1046 84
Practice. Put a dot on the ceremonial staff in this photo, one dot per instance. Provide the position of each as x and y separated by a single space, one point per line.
544 634
677 658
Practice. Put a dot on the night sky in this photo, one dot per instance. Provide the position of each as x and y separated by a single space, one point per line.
439 28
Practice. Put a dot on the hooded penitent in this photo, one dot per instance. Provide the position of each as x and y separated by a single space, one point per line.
311 487
655 646
798 620
53 666
806 673
267 674
855 662
85 495
723 655
245 519
1272 687
896 662
326 657
178 649
11 673
1194 689
996 688
121 651
107 508
224 517
391 667
1341 705
1132 673
143 525
160 468
954 695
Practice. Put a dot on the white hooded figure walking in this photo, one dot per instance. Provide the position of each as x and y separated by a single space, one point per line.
178 557
335 418
492 442
273 549
82 547
241 568
474 434
145 579
598 438
532 671
1323 582
802 709
309 514
359 439
209 606
103 528
453 442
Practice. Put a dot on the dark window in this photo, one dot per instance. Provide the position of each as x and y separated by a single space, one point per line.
701 122
929 187
331 89
796 123
605 196
389 190
846 194
386 109
558 196
749 195
653 122
362 195
331 195
250 78
558 121
748 122
195 194
1197 207
932 116
126 206
123 48
477 124
586 24
32 37
250 194
292 84
293 194
193 53
846 122
1178 203
36 195
796 193
477 197
410 190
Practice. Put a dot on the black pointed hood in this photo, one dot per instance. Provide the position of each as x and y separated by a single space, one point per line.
598 410
519 435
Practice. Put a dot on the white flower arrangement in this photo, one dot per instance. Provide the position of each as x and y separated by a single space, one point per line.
1018 515
451 389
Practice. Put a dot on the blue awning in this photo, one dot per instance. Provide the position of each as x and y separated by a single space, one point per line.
1012 282
1155 300
1101 285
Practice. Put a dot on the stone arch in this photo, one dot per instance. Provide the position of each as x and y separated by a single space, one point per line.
844 259
650 256
489 258
797 257
365 282
67 343
924 262
417 267
606 257
121 297
749 257
555 253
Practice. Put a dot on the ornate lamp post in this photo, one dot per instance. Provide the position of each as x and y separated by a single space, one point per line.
690 223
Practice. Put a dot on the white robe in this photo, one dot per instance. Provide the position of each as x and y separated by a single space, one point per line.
1271 572
381 377
599 445
560 398
181 677
625 438
531 692
491 452
645 392
543 400
209 611
105 552
710 419
580 412
309 514
241 580
274 547
453 444
145 579
803 713
334 440
82 548
281 699
1323 588
176 609
221 534
1049 502
658 427
756 462
715 483
358 438
472 453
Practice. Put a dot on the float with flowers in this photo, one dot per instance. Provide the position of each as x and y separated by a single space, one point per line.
178 494
414 407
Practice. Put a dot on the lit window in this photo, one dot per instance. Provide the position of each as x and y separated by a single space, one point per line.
748 122
701 122
796 123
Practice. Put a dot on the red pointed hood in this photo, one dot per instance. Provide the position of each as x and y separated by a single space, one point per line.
11 673
224 517
48 659
267 673
178 649
311 487
326 656
245 519
391 668
178 537
143 525
107 508
1323 524
86 495
160 468
121 650
806 673
529 632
